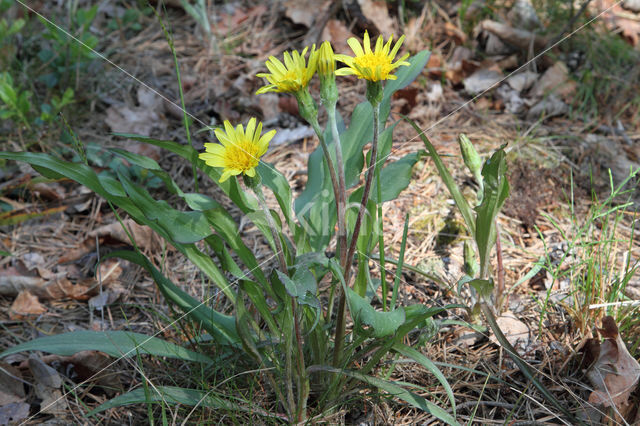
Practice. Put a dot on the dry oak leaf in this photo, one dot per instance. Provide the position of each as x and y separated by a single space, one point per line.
26 304
378 14
615 373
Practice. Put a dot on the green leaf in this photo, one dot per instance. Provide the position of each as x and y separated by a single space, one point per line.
430 366
450 183
483 287
381 324
275 181
496 190
315 207
401 393
221 327
226 227
176 395
395 177
114 343
300 284
182 227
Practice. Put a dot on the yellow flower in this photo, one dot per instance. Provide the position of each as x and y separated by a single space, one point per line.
239 150
374 65
293 75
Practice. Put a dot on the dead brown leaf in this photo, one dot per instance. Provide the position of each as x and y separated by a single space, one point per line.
616 18
615 373
95 366
140 120
455 33
113 233
555 79
14 413
25 305
377 13
302 12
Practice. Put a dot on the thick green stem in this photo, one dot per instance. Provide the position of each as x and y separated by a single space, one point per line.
341 320
383 269
341 196
327 154
274 230
302 381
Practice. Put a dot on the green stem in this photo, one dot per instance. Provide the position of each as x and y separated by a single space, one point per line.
327 154
185 119
299 409
383 270
341 320
341 196
274 230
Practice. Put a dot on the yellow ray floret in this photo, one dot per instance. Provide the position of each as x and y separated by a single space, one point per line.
239 150
293 75
373 65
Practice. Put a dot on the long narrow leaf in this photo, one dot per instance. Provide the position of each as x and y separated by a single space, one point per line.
429 365
113 343
397 391
222 327
176 395
461 202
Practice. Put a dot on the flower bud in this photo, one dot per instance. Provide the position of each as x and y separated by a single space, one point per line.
473 161
326 60
470 156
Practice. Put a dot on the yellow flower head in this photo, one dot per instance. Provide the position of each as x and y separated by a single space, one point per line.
239 150
374 65
293 75
326 59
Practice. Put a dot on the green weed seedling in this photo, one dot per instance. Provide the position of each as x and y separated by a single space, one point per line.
65 57
482 227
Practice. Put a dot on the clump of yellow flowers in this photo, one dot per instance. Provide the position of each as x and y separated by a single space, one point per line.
240 149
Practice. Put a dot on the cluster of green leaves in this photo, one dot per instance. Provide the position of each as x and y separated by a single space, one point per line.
21 99
267 305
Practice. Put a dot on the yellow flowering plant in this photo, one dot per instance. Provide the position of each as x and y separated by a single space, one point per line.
310 342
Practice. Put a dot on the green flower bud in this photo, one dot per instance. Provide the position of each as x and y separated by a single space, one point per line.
326 60
326 67
471 157
473 161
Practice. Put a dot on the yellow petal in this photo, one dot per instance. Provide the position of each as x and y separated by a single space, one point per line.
223 137
355 46
256 135
394 52
345 71
251 127
212 160
263 143
250 172
229 129
379 44
214 148
367 42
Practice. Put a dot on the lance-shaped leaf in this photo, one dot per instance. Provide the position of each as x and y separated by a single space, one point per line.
496 190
